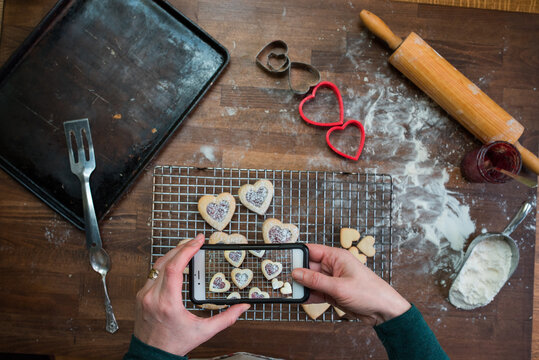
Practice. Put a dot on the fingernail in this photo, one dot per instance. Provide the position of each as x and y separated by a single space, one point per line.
298 274
196 240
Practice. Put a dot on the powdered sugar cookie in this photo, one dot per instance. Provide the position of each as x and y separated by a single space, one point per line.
234 295
219 283
286 289
257 253
217 210
223 238
256 293
241 277
271 269
257 197
235 257
275 232
276 284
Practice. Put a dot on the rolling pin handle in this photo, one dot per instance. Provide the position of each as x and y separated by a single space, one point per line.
528 158
380 29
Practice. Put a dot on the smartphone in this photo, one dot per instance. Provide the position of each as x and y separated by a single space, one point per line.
226 274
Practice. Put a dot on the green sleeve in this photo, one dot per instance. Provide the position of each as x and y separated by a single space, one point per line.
140 351
408 337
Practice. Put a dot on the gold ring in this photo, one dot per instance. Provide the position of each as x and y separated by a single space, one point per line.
154 273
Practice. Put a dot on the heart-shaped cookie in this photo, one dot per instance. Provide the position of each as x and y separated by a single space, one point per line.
271 269
286 289
234 295
337 93
275 232
276 284
223 238
256 293
257 253
217 211
257 197
273 57
212 306
219 283
302 77
241 277
361 257
339 312
366 246
348 236
342 128
315 310
235 257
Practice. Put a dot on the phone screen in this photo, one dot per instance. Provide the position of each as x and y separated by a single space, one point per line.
229 274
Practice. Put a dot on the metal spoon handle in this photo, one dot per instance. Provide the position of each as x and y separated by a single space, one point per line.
518 218
112 325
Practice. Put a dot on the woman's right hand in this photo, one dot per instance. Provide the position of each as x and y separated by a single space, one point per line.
337 277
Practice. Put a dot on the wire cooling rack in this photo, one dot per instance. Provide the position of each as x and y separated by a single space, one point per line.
319 203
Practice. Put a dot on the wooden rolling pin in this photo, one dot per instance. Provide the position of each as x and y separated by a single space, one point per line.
457 95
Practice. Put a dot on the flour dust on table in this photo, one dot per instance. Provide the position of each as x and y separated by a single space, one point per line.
401 123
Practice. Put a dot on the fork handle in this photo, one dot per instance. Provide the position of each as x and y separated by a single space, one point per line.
93 239
111 325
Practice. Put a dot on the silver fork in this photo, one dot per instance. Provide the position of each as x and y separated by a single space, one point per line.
82 161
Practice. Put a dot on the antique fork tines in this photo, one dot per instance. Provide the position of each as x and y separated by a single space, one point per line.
82 161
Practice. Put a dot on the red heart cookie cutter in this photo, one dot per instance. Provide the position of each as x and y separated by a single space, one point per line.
336 91
361 143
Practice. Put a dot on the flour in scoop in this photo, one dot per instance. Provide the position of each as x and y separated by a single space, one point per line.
482 276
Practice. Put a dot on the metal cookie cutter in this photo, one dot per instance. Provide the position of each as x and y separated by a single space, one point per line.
273 57
304 84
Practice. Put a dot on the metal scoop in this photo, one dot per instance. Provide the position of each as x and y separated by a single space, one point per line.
82 161
503 236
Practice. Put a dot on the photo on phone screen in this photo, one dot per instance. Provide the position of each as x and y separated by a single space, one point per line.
234 274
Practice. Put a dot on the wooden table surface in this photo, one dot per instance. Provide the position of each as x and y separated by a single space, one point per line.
52 301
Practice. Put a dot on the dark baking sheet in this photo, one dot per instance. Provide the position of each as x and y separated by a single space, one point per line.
134 68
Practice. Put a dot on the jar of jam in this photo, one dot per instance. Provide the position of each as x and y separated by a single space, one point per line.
480 164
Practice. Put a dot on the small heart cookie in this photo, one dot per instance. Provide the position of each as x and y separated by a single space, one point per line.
339 312
241 278
223 238
362 258
271 269
315 310
366 246
276 284
212 306
275 232
257 197
257 253
286 289
217 210
234 295
348 236
219 283
256 293
235 257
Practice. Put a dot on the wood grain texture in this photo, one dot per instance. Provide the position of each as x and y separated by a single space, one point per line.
527 6
52 301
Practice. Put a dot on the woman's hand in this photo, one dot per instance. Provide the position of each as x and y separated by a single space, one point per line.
161 319
337 277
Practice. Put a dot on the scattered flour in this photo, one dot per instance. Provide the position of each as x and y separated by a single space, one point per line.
482 275
399 122
207 151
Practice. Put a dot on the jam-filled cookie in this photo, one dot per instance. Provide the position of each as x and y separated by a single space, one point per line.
217 210
257 197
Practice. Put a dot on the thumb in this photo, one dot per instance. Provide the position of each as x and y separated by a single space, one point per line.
226 318
315 280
